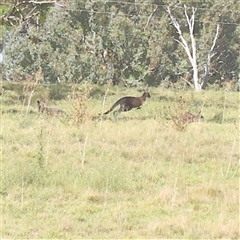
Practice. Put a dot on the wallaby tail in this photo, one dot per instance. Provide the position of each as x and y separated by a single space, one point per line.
114 105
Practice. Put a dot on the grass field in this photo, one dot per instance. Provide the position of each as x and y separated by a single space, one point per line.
133 176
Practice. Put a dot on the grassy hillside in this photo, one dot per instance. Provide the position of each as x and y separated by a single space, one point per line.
134 176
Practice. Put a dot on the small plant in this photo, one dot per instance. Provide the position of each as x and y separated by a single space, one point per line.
58 91
178 113
80 98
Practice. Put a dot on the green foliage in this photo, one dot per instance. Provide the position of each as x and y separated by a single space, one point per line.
130 43
56 91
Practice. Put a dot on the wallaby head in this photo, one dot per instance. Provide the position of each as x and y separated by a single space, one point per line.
41 106
127 103
146 94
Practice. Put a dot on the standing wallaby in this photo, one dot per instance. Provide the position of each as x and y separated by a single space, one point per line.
49 111
127 103
189 117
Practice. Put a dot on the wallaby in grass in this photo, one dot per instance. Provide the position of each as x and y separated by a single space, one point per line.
49 111
189 117
127 103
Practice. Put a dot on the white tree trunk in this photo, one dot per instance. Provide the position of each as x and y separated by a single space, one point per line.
192 53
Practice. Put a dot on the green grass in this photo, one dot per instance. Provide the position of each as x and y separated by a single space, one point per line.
134 176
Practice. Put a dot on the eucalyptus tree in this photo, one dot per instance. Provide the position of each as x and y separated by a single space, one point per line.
205 39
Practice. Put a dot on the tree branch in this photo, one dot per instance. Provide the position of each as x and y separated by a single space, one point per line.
47 2
183 41
155 9
209 57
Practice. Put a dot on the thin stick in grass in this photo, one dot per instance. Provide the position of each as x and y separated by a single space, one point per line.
108 85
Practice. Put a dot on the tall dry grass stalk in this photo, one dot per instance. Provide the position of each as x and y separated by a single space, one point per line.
224 106
83 153
107 87
41 149
231 156
30 88
22 193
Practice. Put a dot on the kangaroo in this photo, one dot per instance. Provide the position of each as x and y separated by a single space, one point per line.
127 103
49 111
189 117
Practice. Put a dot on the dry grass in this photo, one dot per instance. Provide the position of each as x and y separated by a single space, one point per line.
134 176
